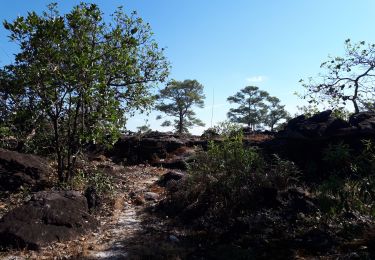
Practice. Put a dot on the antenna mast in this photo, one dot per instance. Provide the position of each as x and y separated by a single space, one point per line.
213 102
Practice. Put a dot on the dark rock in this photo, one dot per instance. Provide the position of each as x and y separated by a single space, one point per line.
297 200
317 240
169 176
17 169
333 125
293 123
319 125
178 163
247 130
321 117
157 149
266 197
47 217
92 197
304 140
151 196
148 148
358 118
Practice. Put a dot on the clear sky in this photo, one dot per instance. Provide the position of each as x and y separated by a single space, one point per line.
227 45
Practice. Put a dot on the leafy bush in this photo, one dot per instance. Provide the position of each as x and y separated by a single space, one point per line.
101 182
351 185
338 157
224 129
6 141
231 180
338 195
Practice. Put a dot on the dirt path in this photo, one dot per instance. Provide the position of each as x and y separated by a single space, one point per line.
112 239
122 233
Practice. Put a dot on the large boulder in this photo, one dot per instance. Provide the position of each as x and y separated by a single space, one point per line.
304 140
364 121
137 149
47 217
17 169
156 148
169 177
317 126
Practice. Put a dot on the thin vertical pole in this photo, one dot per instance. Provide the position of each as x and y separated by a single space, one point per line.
213 102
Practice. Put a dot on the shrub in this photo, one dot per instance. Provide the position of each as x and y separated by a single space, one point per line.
224 129
101 182
343 160
231 180
338 158
338 195
351 184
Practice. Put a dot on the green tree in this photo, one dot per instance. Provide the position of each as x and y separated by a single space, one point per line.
276 112
346 79
177 100
144 128
80 75
252 108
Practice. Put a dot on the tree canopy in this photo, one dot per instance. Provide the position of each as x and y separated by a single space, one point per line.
256 108
346 79
177 100
76 77
251 107
275 113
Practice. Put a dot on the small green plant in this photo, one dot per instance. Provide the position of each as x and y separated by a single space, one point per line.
351 185
338 195
228 129
79 181
337 154
101 182
364 163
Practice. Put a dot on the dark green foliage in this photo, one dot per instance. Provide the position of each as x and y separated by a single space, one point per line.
177 100
76 78
276 112
252 107
351 185
231 180
144 129
343 194
338 156
346 79
226 129
102 182
256 108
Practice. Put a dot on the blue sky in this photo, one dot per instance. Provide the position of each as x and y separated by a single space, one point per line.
227 45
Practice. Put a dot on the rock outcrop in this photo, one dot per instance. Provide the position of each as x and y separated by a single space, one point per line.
324 126
170 176
17 169
47 217
156 148
304 140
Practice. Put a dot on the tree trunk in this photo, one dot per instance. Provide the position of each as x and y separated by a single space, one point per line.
356 109
60 159
181 124
60 167
354 100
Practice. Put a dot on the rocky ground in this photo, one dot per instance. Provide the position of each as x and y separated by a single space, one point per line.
122 220
136 221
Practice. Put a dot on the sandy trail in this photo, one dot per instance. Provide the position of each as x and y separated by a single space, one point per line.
112 238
